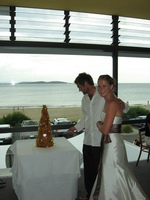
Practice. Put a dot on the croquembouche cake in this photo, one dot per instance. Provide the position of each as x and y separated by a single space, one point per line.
44 137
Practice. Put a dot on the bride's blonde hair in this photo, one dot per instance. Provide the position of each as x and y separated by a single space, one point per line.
109 79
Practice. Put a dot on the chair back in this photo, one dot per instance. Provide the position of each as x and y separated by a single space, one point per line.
143 146
142 136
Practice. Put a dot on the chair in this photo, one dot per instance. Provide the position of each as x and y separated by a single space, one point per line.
4 171
3 152
4 167
143 146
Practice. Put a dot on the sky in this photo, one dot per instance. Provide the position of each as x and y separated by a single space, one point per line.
39 67
15 68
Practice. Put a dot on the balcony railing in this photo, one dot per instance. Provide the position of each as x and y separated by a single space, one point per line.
55 127
10 156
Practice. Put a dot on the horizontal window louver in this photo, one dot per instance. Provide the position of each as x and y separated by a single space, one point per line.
4 23
39 25
90 28
134 32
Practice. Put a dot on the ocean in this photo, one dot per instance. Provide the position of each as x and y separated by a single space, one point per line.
64 95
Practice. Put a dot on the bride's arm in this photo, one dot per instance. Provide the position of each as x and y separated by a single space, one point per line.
109 118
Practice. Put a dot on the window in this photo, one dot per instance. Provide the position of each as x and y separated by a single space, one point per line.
39 25
4 23
90 28
134 32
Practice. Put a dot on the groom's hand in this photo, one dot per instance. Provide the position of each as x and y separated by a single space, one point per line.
121 104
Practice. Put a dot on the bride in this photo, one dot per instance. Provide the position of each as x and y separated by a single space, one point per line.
115 180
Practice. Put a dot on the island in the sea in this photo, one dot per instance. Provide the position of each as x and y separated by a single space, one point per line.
42 82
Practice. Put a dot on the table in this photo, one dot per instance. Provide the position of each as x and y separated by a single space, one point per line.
46 173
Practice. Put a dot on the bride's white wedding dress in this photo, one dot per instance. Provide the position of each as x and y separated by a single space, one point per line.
117 179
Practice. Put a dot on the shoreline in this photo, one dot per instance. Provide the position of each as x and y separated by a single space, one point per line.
72 113
68 106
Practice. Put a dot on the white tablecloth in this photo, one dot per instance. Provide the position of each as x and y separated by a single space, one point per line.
46 173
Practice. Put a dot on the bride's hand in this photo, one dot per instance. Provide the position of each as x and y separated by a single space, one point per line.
99 124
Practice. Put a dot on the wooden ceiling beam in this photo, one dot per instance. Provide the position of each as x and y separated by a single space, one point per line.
127 8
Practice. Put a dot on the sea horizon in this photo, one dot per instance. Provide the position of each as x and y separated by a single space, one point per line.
64 95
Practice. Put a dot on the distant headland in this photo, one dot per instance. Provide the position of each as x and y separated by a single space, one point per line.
42 82
36 82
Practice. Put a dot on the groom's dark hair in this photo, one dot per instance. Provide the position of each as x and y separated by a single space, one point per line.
82 78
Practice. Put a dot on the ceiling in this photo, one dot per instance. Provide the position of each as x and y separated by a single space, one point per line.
126 8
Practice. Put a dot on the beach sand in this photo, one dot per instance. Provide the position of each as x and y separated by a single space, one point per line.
72 113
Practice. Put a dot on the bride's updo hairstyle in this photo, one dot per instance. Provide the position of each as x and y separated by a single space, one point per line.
109 79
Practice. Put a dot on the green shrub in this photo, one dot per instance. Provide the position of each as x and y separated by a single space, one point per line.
13 118
134 112
126 129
